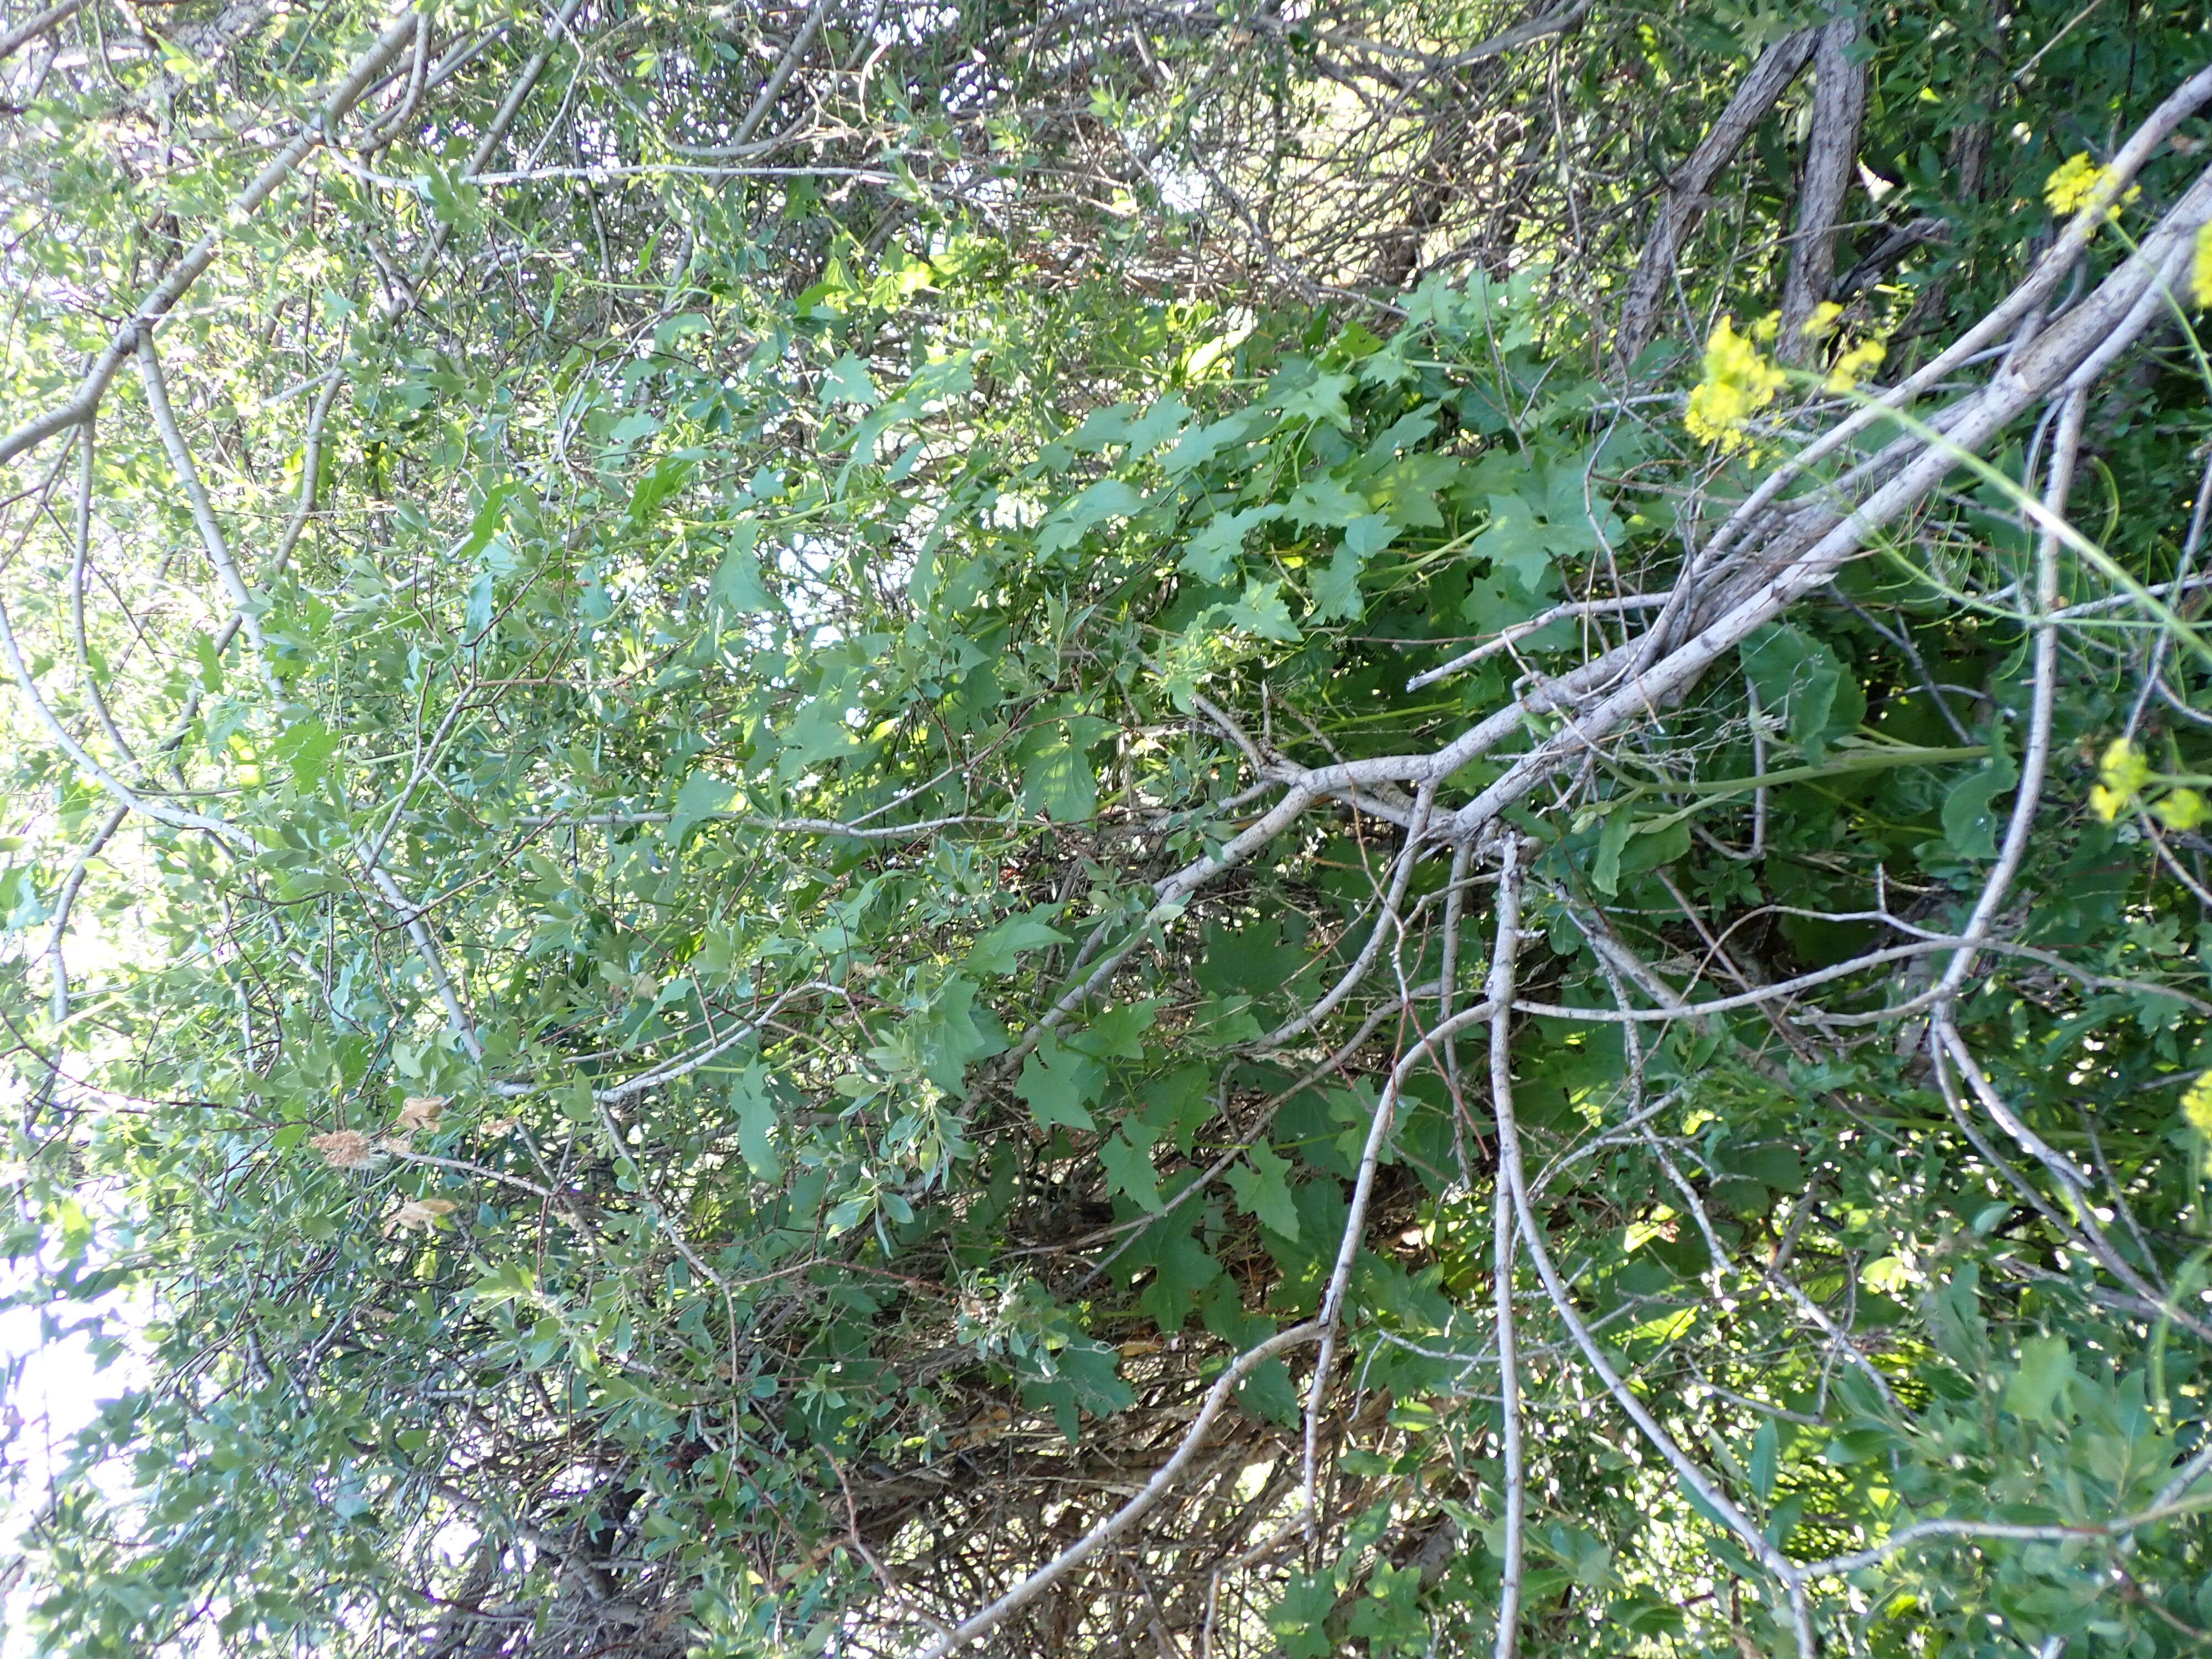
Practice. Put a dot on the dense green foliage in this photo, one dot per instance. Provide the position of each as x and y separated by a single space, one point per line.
701 1025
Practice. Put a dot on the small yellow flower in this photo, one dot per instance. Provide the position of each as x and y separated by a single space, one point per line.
2197 1104
1738 383
2200 267
2185 809
2072 184
2067 190
2125 768
1854 365
1817 326
1766 328
2121 770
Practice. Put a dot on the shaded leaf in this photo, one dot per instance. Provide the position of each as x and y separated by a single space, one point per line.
1059 1085
1258 1179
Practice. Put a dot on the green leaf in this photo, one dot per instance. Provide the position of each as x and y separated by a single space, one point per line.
999 950
1643 844
1765 1460
459 205
757 1123
1110 498
1129 1169
1261 611
1201 444
1969 817
681 326
1257 1179
1162 421
1181 1268
1567 503
950 1038
822 729
1297 1621
510 1281
1103 429
1515 542
1211 553
1336 587
1605 868
1266 1391
848 381
701 798
306 746
1369 534
1321 400
1406 491
1056 778
737 584
1085 1378
1324 504
1178 1105
1800 677
1115 1034
479 613
306 884
1059 1083
666 477
1389 1617
2046 1365
488 522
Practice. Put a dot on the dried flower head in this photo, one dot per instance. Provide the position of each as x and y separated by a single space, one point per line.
344 1149
422 1214
420 1112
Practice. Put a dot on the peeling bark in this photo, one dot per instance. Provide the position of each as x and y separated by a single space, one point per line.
1831 153
1686 195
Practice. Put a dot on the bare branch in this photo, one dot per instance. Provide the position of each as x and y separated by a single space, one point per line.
188 269
36 25
1504 958
1115 1525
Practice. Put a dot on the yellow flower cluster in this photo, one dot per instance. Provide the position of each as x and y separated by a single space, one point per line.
2122 772
2197 1104
2182 809
1738 382
2200 267
2073 184
1816 326
1854 365
2076 179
